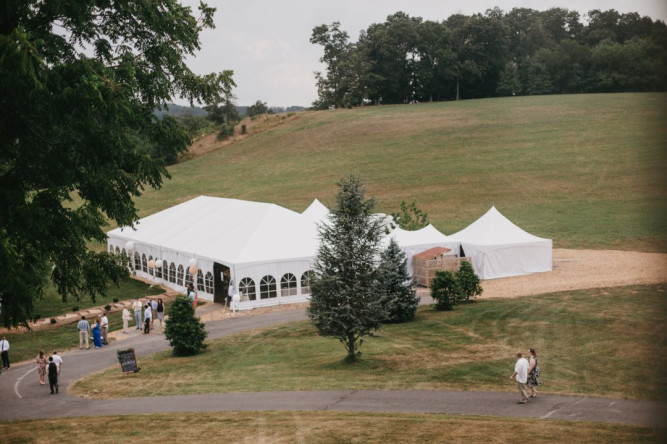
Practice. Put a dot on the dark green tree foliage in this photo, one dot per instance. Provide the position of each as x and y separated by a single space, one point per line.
446 290
258 108
185 332
405 59
79 83
469 282
394 286
344 303
410 218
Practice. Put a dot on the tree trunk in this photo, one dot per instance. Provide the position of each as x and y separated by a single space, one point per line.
351 348
458 84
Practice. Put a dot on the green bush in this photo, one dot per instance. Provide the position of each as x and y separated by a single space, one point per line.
53 320
185 332
445 289
75 308
226 130
468 281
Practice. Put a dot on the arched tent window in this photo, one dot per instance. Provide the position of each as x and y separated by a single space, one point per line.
188 279
305 282
151 271
247 286
158 268
144 263
267 288
172 273
111 249
179 276
200 281
117 250
208 282
288 285
137 261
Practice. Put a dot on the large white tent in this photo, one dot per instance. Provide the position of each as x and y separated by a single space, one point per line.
414 242
265 249
317 212
498 248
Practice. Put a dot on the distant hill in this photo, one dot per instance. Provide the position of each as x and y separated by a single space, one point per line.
179 110
585 170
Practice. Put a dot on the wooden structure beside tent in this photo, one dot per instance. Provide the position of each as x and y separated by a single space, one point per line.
426 263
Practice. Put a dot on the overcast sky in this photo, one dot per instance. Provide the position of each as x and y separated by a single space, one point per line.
266 42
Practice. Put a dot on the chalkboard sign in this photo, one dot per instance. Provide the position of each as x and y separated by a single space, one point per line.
128 360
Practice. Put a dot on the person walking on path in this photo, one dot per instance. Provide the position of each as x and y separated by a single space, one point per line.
97 335
137 313
41 367
126 319
104 328
160 311
521 374
147 318
84 329
57 359
53 375
4 349
533 373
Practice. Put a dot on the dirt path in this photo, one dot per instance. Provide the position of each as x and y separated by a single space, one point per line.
580 269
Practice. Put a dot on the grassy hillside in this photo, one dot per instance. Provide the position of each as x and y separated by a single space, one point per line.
585 170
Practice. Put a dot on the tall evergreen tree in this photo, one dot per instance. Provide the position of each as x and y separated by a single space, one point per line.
394 286
344 304
185 332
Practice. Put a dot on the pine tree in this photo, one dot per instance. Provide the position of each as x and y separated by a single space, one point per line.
394 286
445 289
185 332
344 303
469 282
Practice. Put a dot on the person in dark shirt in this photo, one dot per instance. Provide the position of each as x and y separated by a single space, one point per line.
53 375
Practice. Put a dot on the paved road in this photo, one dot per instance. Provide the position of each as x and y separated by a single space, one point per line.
23 397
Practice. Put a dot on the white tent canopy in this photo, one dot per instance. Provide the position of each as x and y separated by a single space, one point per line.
268 245
498 248
316 212
414 242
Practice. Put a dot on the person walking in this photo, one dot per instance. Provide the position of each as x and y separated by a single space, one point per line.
137 313
4 350
126 319
160 311
147 318
84 330
521 374
104 328
53 376
57 359
533 373
41 367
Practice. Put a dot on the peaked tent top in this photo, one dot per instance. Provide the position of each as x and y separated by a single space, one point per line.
316 211
227 230
427 235
495 229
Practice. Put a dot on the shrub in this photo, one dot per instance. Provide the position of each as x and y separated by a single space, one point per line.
185 332
107 307
115 300
37 317
468 281
445 289
226 130
53 320
75 308
243 129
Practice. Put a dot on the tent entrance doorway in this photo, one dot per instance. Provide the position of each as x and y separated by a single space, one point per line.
220 282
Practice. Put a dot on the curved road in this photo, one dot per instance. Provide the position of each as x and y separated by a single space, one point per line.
24 398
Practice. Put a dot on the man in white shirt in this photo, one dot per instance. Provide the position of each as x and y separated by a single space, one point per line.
148 313
4 350
57 360
104 326
521 373
137 312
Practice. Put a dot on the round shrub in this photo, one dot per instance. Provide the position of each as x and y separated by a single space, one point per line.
185 332
445 289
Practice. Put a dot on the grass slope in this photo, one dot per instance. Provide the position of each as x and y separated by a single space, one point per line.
585 170
470 348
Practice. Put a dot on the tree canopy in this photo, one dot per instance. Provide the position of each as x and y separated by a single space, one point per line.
407 59
79 83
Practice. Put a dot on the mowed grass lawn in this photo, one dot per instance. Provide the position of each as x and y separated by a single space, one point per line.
584 170
603 342
319 427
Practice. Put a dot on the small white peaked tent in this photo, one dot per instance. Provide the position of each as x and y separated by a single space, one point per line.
414 242
498 248
316 212
263 249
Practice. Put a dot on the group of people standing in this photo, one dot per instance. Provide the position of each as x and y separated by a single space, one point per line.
527 374
149 311
99 330
50 366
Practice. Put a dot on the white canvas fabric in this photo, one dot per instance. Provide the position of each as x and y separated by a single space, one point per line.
414 242
498 248
317 212
253 239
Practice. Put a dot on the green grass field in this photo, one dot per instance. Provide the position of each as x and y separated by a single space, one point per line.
584 170
471 348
